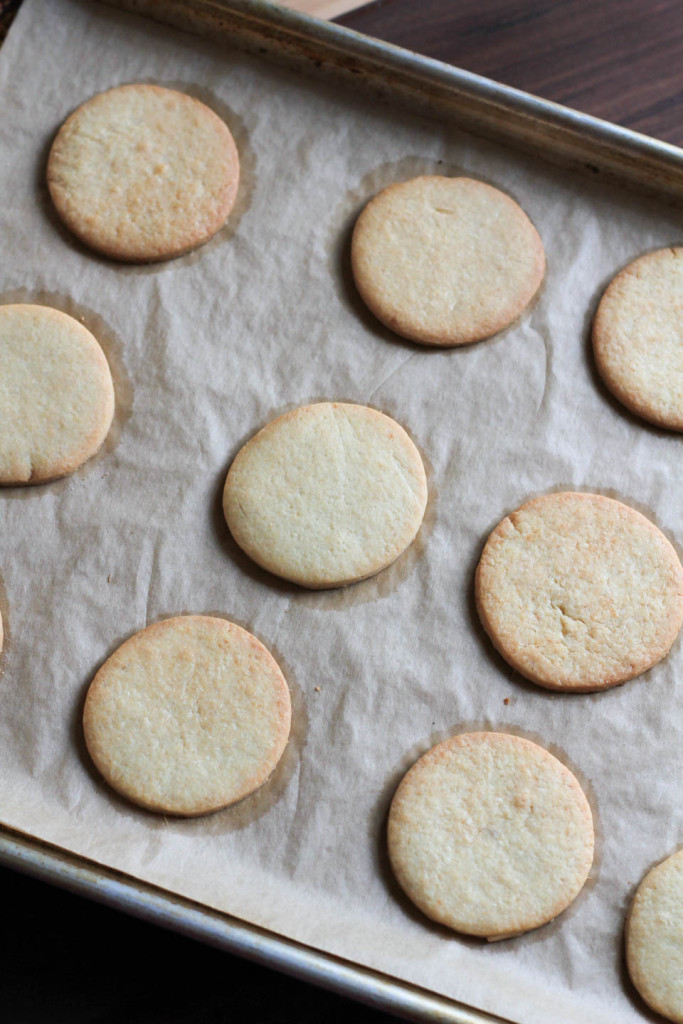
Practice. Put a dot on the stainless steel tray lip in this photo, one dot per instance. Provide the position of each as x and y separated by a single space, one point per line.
350 40
547 128
122 892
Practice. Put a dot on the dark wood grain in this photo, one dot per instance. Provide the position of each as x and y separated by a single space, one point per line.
621 60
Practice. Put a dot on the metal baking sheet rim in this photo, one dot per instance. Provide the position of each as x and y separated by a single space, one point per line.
546 130
85 878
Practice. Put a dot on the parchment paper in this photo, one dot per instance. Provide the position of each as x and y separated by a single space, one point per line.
208 348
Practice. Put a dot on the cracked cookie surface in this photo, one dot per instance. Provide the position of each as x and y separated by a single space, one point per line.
142 173
326 495
579 592
56 394
446 261
638 337
490 835
188 716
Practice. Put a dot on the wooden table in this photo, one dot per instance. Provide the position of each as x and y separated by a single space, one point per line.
616 59
71 960
621 60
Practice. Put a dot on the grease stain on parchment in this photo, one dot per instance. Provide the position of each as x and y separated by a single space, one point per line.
224 234
377 587
496 659
341 232
230 819
113 348
378 833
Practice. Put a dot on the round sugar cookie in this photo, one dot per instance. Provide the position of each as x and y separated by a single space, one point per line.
490 835
638 337
579 592
654 938
446 261
188 716
326 495
142 173
56 394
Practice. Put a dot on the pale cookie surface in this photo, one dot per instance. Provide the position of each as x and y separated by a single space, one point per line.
188 716
446 261
579 592
654 938
638 337
326 495
490 835
56 394
142 173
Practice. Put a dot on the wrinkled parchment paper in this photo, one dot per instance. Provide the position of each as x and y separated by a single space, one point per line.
208 348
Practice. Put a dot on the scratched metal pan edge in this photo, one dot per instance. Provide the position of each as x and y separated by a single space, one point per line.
547 130
76 874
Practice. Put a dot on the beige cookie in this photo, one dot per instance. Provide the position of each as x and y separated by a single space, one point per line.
654 938
326 495
446 261
490 835
638 337
142 173
56 394
188 716
579 592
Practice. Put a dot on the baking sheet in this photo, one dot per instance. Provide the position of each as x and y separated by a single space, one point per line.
205 350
